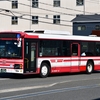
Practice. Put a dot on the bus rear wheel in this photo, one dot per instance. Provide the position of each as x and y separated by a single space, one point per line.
89 67
44 70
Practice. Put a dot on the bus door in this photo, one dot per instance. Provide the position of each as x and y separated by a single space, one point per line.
30 56
75 57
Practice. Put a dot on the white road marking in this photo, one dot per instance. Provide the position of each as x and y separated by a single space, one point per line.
25 88
50 92
4 79
41 86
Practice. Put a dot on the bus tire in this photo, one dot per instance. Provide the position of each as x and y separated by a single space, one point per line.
44 70
89 67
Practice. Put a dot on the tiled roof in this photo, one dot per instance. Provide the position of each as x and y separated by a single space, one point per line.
87 18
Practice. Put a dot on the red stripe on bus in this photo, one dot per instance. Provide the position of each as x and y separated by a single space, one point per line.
66 60
53 60
82 68
97 67
32 36
59 60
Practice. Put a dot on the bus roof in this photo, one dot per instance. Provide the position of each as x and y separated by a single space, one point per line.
52 32
48 34
51 35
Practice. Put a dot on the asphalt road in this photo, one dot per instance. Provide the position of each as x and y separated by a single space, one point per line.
77 86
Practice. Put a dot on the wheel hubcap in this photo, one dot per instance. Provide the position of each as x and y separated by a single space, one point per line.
44 70
89 68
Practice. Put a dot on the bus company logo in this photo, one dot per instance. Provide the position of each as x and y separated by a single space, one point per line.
3 62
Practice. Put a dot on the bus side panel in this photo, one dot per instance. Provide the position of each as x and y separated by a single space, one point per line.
97 63
97 67
61 65
58 65
84 60
83 68
60 69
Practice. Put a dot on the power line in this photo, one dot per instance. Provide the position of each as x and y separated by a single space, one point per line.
31 15
39 21
60 7
53 11
49 9
43 21
52 19
65 8
24 14
52 6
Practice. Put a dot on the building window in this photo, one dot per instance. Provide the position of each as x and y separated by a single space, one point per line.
56 19
79 2
81 28
34 19
14 4
14 20
56 3
97 27
46 16
35 3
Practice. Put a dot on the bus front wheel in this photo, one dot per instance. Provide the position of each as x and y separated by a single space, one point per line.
44 70
89 67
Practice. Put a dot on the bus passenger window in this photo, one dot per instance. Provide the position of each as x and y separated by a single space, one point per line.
74 49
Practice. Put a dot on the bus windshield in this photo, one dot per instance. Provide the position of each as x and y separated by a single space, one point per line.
10 49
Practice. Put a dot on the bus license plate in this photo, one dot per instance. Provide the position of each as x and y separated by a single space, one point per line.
2 70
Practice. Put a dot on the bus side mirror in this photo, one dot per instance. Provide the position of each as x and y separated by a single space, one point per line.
19 42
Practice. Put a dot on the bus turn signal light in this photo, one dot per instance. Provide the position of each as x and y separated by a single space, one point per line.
18 66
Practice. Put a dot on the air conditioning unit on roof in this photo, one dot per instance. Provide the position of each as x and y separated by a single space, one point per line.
55 32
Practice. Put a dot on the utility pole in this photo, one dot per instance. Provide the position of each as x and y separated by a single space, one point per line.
30 15
84 6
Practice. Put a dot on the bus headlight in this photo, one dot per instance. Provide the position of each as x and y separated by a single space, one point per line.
18 66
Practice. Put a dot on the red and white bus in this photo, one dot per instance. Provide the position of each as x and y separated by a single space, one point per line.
44 53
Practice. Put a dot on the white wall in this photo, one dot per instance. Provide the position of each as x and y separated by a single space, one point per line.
66 15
